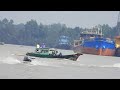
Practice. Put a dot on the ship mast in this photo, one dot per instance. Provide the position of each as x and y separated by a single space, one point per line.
118 24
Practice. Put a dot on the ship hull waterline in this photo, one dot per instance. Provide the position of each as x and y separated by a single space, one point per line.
94 51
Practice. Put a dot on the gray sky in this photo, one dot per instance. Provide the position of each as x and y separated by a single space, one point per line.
83 19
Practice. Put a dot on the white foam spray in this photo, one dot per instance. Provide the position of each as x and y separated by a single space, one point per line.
9 60
117 65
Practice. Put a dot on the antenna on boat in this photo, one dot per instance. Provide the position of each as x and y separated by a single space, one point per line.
100 30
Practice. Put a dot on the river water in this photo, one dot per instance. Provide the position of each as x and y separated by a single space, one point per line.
86 67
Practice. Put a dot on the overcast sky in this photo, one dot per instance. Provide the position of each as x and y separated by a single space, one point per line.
83 19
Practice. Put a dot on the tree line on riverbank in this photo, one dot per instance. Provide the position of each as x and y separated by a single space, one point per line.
32 32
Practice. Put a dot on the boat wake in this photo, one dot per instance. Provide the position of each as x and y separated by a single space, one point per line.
44 63
9 60
117 65
54 63
68 64
34 63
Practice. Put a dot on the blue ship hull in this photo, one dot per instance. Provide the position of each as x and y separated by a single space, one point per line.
97 46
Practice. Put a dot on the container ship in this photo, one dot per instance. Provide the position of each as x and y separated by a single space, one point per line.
93 42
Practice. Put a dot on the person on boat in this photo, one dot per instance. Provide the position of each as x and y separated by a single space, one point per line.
53 53
43 45
37 47
60 54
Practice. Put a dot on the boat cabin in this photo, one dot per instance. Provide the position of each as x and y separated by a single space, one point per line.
47 51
